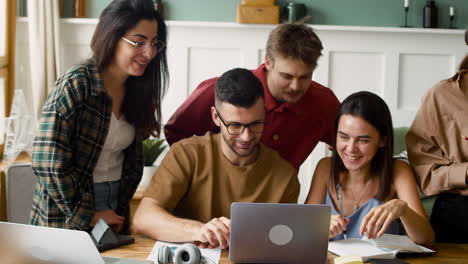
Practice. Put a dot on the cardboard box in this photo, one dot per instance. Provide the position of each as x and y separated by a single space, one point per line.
258 2
257 14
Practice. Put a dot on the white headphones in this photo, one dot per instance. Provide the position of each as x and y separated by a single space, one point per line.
185 254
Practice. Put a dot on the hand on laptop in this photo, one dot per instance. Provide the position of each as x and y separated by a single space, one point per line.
214 234
337 225
114 220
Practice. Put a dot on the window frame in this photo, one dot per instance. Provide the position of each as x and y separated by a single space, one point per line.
7 65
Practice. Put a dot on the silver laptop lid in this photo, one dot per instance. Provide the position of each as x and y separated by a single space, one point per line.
279 233
54 245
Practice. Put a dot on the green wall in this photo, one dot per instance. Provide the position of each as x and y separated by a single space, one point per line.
385 13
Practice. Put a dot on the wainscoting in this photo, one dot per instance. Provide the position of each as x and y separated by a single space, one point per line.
399 64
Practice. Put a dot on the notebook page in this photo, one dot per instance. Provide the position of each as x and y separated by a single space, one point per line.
353 246
395 242
398 242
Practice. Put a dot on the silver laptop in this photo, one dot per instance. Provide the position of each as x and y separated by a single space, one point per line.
56 245
279 233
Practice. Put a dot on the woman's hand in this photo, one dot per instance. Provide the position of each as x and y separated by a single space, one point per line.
114 220
376 222
338 224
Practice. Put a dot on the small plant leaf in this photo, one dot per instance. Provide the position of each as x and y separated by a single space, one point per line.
152 148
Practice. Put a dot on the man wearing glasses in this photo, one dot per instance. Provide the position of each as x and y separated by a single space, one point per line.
299 111
190 195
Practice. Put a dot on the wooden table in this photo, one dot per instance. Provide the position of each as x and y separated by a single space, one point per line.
446 253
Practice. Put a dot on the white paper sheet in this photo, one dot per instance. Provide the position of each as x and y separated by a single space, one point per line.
400 243
213 254
354 246
386 246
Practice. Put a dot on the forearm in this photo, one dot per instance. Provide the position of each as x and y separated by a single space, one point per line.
444 178
417 227
156 222
434 168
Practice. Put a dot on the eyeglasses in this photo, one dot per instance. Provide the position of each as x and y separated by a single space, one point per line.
238 128
159 45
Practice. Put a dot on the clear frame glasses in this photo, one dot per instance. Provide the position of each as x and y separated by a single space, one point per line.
238 128
158 45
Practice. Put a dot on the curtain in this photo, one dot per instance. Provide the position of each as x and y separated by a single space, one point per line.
44 49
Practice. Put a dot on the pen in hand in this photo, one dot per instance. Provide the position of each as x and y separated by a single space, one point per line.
340 200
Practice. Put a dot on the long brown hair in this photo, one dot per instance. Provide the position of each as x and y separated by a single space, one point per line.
143 96
464 64
374 110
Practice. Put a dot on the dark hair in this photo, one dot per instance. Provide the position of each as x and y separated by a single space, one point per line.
238 87
464 64
297 41
143 96
374 110
466 37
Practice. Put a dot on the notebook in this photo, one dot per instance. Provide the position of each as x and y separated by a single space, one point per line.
279 233
384 247
56 245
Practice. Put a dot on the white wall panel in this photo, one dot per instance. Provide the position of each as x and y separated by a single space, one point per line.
177 60
74 54
356 71
400 64
206 63
418 73
261 56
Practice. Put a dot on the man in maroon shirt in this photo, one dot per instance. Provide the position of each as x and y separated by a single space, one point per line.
299 111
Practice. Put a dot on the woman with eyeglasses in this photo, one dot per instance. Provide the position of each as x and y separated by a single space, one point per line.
88 152
370 192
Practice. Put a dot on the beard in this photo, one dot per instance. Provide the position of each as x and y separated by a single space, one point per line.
236 151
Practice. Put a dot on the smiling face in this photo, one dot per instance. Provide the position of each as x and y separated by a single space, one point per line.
132 60
357 141
242 147
288 79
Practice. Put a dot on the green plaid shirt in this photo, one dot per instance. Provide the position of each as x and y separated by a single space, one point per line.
73 128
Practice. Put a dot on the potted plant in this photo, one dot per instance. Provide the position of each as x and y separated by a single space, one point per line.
152 148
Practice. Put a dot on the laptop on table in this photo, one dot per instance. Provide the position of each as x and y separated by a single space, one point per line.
56 245
279 233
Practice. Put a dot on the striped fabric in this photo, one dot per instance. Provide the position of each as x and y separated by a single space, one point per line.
73 128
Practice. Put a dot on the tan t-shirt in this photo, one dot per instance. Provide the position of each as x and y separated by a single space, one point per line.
196 181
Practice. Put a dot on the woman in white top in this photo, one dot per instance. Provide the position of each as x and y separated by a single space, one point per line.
88 152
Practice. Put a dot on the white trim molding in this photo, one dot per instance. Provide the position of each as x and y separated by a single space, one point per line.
399 64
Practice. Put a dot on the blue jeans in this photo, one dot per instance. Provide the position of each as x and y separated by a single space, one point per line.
106 195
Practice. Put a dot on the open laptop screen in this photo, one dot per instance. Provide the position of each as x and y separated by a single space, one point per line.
279 233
